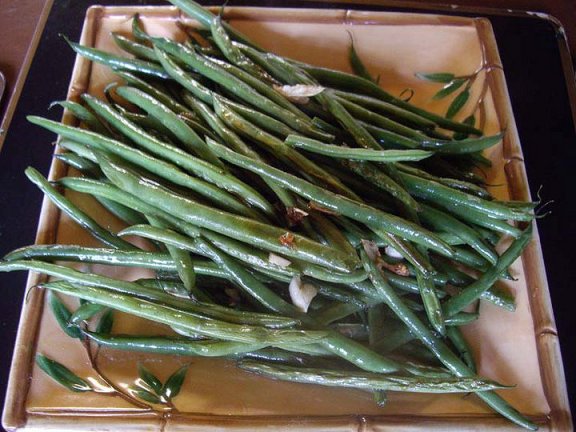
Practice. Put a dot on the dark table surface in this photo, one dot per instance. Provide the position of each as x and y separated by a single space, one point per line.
530 53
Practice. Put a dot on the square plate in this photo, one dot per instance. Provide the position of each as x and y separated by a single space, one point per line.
517 348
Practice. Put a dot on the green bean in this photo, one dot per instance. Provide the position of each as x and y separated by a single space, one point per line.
442 221
461 318
262 88
437 346
83 165
124 258
368 381
231 52
157 94
182 77
378 120
227 135
259 260
465 146
263 121
111 192
341 152
83 114
261 293
139 34
348 122
388 139
171 121
156 166
203 169
183 262
377 177
245 280
359 354
167 315
125 214
117 62
431 303
205 17
238 250
480 219
455 336
199 128
134 48
472 292
78 149
77 215
464 186
331 233
238 87
359 85
172 345
449 197
143 292
397 335
243 229
383 107
356 62
278 149
333 202
408 252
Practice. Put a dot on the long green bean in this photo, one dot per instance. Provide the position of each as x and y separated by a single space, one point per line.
333 202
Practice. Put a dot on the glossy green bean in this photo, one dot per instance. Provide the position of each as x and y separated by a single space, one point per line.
117 62
153 91
243 229
167 315
465 146
388 139
83 114
435 345
140 51
77 215
79 163
182 77
342 152
159 167
257 290
457 338
339 204
359 85
172 345
360 113
203 169
450 197
367 381
376 176
182 261
263 121
472 292
262 88
171 121
444 222
279 150
382 107
111 192
239 88
205 17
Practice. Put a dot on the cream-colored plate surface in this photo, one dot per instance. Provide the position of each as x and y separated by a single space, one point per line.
216 394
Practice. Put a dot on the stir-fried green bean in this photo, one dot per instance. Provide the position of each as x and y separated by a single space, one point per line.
270 237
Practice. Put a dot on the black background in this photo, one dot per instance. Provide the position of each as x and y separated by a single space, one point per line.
530 55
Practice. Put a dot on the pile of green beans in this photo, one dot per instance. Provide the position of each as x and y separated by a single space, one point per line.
247 196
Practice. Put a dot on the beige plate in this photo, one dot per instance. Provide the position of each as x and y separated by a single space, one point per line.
517 348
